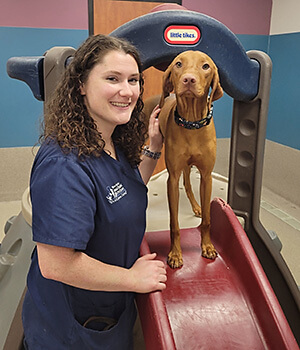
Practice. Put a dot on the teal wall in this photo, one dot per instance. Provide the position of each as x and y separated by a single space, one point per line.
20 112
284 109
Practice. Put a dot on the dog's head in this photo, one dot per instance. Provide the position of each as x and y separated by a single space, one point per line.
192 74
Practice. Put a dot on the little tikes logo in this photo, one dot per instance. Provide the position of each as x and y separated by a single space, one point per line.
182 35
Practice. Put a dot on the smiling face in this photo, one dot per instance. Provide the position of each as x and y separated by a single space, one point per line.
112 90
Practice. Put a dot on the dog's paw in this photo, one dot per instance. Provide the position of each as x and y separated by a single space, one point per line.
197 212
175 261
209 252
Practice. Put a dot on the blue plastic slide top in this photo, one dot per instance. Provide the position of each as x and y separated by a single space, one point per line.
161 36
29 70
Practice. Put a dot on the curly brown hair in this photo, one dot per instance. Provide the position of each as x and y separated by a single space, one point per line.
67 120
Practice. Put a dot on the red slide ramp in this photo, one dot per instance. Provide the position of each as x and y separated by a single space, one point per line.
227 303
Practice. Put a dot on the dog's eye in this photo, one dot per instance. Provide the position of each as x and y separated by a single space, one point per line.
205 66
178 64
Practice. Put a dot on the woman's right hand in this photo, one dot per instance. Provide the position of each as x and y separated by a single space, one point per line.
148 274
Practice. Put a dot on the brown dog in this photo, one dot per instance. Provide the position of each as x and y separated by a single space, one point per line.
190 139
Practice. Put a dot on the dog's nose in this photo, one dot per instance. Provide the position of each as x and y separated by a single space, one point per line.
188 79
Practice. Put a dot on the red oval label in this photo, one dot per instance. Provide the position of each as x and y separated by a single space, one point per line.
182 35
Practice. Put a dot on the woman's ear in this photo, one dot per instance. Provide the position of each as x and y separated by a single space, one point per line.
82 89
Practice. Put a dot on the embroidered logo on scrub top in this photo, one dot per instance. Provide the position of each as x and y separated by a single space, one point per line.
115 192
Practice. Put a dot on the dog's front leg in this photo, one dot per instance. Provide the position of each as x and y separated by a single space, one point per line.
189 192
208 249
175 255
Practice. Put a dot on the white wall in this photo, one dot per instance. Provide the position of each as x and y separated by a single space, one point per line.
285 17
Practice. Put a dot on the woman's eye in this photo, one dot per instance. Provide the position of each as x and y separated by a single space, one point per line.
178 64
111 78
133 81
205 66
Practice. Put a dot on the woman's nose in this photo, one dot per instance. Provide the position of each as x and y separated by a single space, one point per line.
126 89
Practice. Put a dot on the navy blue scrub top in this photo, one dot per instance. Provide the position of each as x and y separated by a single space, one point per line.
97 206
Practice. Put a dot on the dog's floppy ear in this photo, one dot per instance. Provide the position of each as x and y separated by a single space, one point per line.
216 89
167 87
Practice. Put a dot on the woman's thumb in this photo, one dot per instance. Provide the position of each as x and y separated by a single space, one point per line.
150 256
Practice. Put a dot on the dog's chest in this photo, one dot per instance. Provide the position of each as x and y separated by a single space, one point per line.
192 145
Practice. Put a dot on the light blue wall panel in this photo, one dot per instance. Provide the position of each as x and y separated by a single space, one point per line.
284 110
20 112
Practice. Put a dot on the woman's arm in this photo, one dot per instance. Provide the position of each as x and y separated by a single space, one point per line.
80 270
147 164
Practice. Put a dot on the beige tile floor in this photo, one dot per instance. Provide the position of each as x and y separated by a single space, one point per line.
276 214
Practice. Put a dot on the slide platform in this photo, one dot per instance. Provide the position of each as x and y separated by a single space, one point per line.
226 303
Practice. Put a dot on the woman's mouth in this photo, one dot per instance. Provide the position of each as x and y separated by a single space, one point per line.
121 104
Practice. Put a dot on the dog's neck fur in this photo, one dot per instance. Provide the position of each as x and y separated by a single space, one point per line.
191 108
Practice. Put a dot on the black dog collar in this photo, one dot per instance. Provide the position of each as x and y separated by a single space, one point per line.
193 125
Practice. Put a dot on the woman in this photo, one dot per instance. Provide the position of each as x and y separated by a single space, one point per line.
89 200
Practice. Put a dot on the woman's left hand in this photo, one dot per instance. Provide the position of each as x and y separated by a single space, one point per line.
148 164
155 136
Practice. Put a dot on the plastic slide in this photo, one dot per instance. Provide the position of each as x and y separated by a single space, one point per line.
225 303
